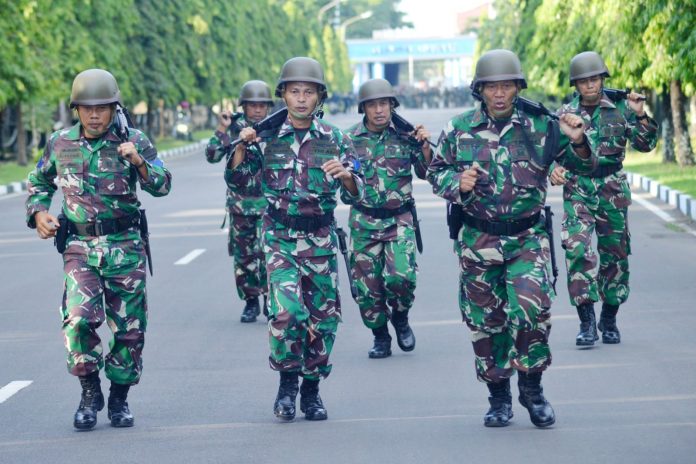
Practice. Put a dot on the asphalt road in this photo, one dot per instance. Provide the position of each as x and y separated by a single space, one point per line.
206 394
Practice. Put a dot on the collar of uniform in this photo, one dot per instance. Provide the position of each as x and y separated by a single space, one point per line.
362 130
479 117
287 128
604 102
75 133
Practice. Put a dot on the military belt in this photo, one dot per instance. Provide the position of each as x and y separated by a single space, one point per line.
501 227
104 226
606 170
301 223
384 213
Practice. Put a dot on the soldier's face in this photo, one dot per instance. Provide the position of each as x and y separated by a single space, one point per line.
590 88
301 99
378 113
95 120
256 111
498 97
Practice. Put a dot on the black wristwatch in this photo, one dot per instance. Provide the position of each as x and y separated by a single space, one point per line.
641 118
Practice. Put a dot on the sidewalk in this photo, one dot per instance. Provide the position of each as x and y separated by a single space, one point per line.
16 187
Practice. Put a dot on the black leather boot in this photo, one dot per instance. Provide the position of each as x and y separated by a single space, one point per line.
119 414
532 397
404 335
607 324
588 325
91 402
251 310
500 413
382 343
310 401
284 406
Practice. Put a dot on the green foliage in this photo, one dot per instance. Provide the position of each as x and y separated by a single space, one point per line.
196 50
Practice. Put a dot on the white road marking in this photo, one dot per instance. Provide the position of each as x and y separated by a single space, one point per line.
11 388
190 257
653 209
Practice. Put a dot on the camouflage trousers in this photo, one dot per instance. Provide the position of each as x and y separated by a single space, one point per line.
384 272
244 245
305 311
505 298
586 283
105 281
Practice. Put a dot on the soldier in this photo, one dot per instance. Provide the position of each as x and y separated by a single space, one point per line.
598 201
105 254
491 164
304 162
245 206
383 237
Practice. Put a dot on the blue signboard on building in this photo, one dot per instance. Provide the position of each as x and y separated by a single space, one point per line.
395 50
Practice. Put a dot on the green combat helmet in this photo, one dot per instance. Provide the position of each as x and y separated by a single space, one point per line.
498 65
94 87
374 89
302 69
255 91
587 64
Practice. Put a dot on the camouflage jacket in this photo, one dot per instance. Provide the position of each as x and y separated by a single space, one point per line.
245 201
293 180
387 162
610 128
96 182
513 183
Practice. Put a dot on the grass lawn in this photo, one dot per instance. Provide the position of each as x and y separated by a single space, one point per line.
13 172
671 175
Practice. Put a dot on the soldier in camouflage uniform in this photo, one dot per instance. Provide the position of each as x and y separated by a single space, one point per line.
383 240
245 206
598 201
491 163
104 259
304 162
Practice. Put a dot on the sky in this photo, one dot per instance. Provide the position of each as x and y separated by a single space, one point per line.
436 17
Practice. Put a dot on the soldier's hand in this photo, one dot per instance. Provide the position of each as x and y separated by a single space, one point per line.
558 176
636 102
467 181
422 135
573 126
46 224
335 169
225 118
128 152
248 135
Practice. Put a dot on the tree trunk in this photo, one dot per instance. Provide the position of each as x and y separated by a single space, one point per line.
667 134
21 138
692 111
149 118
685 155
160 109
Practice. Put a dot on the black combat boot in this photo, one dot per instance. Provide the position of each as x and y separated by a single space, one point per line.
500 413
284 406
532 397
265 306
607 324
310 401
588 325
91 402
119 414
404 335
251 310
382 344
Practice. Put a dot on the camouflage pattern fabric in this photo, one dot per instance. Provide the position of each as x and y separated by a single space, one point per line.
600 204
383 253
244 244
105 275
304 302
505 281
245 206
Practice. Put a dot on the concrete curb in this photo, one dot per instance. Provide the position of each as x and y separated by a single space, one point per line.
17 187
685 203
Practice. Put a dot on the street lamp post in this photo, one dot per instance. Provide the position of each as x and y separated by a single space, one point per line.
344 25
